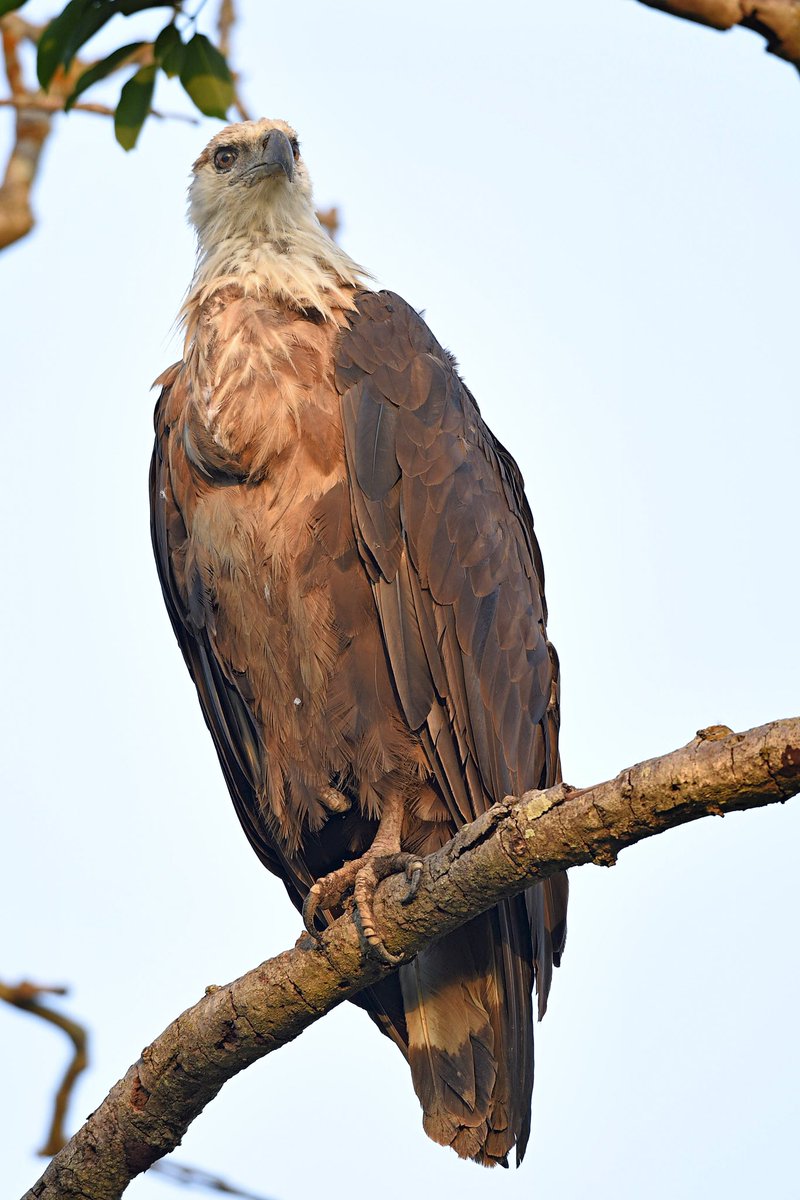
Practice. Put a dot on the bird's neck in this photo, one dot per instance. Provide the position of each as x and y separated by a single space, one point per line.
295 264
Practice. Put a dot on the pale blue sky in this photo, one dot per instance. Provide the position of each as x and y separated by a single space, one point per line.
597 207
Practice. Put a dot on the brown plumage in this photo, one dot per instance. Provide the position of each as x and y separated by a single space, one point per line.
349 564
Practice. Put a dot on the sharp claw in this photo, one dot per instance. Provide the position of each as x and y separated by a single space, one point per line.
363 877
379 950
376 947
413 875
310 907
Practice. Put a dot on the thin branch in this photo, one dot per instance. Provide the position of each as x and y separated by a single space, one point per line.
226 19
776 20
329 219
54 104
194 1177
25 996
505 850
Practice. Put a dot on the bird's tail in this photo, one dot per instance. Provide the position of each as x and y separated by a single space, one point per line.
468 1011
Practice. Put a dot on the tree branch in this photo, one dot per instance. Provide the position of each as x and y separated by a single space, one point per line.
506 849
55 104
195 1177
776 20
31 133
26 996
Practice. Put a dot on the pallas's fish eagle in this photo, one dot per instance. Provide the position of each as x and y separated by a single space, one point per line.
349 564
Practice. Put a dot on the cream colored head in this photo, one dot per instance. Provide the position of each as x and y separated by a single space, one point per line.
250 178
251 202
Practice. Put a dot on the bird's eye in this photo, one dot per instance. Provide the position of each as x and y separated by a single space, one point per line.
225 158
293 142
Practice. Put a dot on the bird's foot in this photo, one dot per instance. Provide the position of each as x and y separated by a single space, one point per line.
334 801
362 876
371 874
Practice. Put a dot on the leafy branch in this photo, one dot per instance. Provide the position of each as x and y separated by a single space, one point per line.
176 51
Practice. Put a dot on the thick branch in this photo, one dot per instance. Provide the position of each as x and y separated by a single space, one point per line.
776 20
509 847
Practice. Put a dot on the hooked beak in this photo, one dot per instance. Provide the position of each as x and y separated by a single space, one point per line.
277 158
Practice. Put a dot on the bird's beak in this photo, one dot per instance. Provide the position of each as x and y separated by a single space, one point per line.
277 158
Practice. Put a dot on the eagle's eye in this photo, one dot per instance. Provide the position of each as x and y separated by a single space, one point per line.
293 142
225 157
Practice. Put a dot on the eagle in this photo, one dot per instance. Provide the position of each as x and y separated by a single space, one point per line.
349 564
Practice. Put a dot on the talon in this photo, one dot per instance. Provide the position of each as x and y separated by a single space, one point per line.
371 874
413 875
310 909
361 876
328 893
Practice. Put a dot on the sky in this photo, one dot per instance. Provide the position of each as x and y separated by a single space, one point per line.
596 206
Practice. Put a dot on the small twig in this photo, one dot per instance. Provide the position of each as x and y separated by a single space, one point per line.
22 30
55 104
196 1177
193 16
24 996
329 218
225 23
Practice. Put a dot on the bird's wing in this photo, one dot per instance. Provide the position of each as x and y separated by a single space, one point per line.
227 714
446 535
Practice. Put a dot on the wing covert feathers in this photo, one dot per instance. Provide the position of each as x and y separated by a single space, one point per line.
446 534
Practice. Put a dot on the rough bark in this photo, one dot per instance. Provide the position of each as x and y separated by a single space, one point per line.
776 20
147 1112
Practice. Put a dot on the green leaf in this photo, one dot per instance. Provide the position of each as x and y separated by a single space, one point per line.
7 6
100 70
206 77
134 105
170 51
64 36
129 7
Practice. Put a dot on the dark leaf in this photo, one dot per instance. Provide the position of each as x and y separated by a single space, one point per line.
170 51
206 77
128 7
65 35
7 6
100 71
134 105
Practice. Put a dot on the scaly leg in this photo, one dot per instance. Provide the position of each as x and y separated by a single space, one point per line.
362 876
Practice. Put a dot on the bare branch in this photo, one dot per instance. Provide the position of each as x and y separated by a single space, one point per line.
776 20
226 19
514 843
225 23
25 996
330 219
195 1177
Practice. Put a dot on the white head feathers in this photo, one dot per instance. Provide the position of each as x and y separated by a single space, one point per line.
250 201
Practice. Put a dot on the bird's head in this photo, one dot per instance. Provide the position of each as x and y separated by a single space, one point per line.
250 201
249 179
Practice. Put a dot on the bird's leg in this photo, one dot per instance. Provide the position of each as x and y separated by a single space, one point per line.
334 801
362 876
